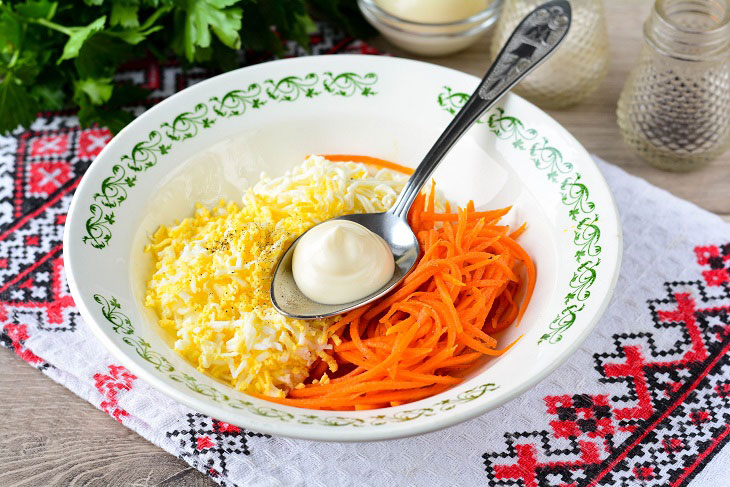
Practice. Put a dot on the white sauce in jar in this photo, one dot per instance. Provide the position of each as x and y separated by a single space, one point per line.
433 11
340 261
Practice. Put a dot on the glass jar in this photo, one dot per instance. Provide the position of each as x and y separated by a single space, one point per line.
674 110
576 68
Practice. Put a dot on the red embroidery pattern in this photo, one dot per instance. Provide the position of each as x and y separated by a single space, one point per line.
207 443
109 386
49 145
47 177
42 298
92 141
717 258
672 419
14 336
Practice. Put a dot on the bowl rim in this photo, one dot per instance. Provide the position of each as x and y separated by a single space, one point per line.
491 11
401 430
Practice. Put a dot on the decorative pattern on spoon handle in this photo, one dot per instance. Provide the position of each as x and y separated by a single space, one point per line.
532 41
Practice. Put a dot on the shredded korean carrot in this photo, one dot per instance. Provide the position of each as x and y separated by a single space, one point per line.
437 324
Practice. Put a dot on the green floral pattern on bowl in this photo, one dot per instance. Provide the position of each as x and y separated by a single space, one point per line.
574 195
122 325
186 125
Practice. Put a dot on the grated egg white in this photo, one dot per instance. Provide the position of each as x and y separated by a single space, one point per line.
210 288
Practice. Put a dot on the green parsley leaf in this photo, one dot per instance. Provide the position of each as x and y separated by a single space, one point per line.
135 36
101 55
111 114
49 96
42 9
17 106
11 34
290 18
98 90
124 15
77 37
258 35
199 17
138 34
344 13
29 65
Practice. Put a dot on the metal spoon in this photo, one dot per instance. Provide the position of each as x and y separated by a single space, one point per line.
534 39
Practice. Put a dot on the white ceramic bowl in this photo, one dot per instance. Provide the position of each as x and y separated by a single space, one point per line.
214 138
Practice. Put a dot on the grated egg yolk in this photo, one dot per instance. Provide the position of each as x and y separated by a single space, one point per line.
210 287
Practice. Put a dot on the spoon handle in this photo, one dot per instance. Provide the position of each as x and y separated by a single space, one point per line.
534 39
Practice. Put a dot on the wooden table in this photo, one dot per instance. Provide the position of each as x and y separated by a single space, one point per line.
51 437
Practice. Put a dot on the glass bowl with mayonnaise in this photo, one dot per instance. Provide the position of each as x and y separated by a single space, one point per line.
431 27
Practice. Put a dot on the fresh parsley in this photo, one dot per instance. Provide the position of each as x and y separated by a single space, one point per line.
64 54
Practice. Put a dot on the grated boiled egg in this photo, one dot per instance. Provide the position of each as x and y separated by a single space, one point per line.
210 288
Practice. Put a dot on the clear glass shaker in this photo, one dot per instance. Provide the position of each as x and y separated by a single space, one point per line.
674 110
576 69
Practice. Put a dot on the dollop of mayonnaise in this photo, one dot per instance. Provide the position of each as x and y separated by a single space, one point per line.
340 261
433 11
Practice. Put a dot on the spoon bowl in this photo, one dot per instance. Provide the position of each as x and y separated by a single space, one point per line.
291 302
533 41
